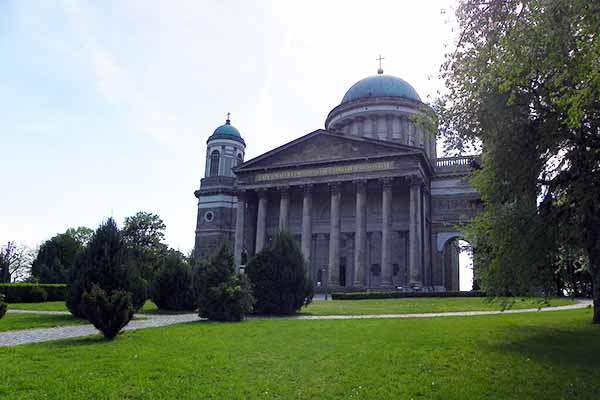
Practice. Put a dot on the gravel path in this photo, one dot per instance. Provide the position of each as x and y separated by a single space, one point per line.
15 338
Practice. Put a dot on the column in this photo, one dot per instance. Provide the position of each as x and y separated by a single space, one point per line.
334 235
414 240
427 238
386 234
239 229
360 239
307 223
261 220
284 207
250 221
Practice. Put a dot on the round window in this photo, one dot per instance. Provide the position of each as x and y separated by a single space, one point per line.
209 216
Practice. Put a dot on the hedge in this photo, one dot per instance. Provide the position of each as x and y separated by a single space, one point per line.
401 295
25 292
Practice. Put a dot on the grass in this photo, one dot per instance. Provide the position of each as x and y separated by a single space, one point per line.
46 306
420 305
521 356
13 322
359 307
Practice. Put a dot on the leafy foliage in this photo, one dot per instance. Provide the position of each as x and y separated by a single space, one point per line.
524 86
58 255
144 233
172 288
229 301
3 306
21 292
105 263
37 295
109 314
279 279
223 295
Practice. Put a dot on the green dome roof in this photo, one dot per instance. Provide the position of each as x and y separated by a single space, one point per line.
381 86
227 131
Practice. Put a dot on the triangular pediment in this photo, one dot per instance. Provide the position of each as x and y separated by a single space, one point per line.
323 146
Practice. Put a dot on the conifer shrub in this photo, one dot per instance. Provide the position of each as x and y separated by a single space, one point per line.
279 279
223 295
109 314
105 263
3 306
172 288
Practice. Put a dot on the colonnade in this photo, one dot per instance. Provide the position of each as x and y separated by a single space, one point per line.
419 227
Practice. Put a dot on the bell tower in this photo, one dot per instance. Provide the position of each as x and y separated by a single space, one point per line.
217 202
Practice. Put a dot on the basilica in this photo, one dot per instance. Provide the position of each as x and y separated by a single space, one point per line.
368 200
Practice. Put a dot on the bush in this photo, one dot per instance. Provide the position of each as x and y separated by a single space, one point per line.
172 287
229 301
105 263
222 294
37 295
21 292
278 277
109 314
3 306
401 295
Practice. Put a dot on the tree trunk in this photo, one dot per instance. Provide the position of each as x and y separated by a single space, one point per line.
595 292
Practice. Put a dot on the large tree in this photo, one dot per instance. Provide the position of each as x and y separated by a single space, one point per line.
58 255
144 233
524 85
15 262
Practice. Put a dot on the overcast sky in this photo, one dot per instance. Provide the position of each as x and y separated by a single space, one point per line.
105 107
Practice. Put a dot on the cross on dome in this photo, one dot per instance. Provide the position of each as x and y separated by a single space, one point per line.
380 70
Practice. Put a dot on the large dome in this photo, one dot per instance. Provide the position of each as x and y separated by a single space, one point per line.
380 86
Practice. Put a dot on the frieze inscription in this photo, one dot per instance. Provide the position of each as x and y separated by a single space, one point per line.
343 169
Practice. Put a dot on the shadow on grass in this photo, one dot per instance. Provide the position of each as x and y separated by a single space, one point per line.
578 346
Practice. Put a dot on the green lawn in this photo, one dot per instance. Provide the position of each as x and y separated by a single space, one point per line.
13 322
360 307
521 356
47 306
423 305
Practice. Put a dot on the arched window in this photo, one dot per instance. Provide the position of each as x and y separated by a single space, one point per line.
239 159
214 163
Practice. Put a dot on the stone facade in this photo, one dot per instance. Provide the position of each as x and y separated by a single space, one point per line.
370 208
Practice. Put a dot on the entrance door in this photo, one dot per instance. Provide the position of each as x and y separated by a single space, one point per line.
342 271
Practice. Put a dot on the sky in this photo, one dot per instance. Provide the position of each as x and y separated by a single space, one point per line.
105 107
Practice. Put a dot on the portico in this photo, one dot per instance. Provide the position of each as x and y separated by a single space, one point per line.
345 216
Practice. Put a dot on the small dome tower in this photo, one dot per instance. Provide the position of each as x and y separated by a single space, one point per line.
225 150
217 200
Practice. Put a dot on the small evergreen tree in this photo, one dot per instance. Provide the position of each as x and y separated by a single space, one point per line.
109 314
223 295
172 287
105 263
279 279
3 306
